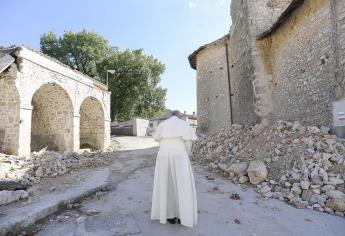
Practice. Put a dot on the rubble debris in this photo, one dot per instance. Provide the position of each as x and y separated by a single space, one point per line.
19 173
301 165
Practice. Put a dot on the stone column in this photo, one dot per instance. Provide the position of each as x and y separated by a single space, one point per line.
106 133
76 134
107 119
25 114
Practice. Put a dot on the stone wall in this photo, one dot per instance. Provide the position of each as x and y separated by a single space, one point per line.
262 14
9 112
241 68
286 60
302 64
293 70
213 106
252 85
338 39
125 131
340 15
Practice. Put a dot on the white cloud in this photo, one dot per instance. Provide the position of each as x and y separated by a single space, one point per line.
191 4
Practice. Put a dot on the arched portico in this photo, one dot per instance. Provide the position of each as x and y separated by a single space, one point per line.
52 119
92 130
45 104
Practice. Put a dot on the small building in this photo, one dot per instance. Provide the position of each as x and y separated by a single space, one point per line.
46 104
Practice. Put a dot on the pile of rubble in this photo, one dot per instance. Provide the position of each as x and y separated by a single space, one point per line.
304 166
17 173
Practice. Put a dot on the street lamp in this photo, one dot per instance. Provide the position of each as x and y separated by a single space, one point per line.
111 72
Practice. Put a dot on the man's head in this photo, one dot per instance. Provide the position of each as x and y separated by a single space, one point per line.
176 113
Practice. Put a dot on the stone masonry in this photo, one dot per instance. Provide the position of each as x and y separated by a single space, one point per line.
45 104
213 106
286 60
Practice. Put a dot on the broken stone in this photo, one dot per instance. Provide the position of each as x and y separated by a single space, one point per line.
336 194
237 221
335 181
243 179
7 197
257 172
235 196
336 204
324 130
326 188
296 125
313 129
277 195
307 194
296 189
304 184
215 188
80 219
239 169
209 177
265 189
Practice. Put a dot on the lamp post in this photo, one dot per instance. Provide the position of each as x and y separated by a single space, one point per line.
111 72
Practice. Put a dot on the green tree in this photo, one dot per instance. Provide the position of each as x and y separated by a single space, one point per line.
82 51
135 84
135 89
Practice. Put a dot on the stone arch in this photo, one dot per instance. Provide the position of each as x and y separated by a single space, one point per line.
52 119
9 116
92 130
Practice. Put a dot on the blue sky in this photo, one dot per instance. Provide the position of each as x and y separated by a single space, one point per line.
168 29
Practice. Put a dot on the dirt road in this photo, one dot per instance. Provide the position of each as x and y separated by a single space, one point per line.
125 208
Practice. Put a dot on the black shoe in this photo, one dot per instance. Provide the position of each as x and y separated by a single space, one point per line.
172 221
178 221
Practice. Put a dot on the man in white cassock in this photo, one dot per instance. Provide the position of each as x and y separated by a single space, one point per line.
174 195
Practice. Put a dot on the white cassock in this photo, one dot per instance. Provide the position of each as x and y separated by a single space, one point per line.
174 192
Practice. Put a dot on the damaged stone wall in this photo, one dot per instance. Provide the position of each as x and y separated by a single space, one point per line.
338 41
52 119
9 112
301 63
292 72
286 61
212 88
251 85
241 68
340 15
91 125
261 15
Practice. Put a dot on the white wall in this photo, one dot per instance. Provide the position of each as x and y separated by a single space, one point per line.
140 127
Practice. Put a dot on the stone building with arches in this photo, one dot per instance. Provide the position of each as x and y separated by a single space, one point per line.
46 104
